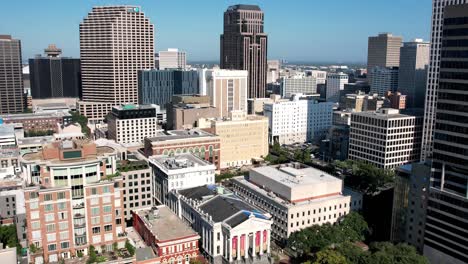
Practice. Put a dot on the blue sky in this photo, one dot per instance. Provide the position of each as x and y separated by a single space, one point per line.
299 30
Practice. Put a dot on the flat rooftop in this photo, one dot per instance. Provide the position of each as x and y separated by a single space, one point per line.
292 177
165 225
35 140
7 130
390 113
33 115
179 161
179 134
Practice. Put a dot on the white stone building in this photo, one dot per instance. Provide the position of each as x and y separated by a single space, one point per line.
179 172
298 120
171 59
231 230
295 85
296 196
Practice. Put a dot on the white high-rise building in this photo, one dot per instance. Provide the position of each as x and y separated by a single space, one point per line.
171 59
335 84
385 138
295 85
383 80
298 120
115 42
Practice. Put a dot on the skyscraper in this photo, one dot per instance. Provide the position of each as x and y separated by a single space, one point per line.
244 46
55 76
335 84
412 75
433 75
384 80
383 51
11 77
115 42
446 233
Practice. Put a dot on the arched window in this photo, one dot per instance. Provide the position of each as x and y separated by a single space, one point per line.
211 151
187 259
165 152
178 151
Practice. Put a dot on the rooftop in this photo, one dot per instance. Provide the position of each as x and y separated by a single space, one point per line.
244 7
388 113
179 161
7 130
165 225
179 134
135 107
199 193
32 115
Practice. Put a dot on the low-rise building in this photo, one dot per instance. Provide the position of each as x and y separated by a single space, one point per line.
295 195
198 142
231 230
171 240
385 138
179 172
255 105
396 100
243 138
48 122
74 200
132 123
297 84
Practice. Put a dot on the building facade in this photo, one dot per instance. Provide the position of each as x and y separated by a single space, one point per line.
384 80
54 76
244 46
335 84
290 193
198 142
171 239
171 59
181 171
115 42
446 233
185 110
132 123
303 85
298 120
72 201
231 230
158 86
45 122
243 138
274 67
11 85
385 138
383 51
412 75
228 90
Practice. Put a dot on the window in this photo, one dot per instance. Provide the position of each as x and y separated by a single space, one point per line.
93 191
107 219
35 225
107 209
48 197
95 211
62 216
63 235
50 228
51 237
49 217
62 206
106 189
63 225
60 195
107 228
96 230
52 247
33 205
48 207
95 220
65 244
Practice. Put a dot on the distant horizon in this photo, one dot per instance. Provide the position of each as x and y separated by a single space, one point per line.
301 32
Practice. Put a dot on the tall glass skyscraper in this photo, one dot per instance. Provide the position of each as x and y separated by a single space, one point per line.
11 78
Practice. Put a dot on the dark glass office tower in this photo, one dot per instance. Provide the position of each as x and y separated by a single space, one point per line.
244 46
446 235
11 76
158 86
54 76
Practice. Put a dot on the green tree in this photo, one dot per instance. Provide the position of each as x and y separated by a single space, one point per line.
130 248
92 256
329 256
33 248
354 227
83 121
351 252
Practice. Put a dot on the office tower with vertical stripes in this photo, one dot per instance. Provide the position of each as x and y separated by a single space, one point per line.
115 42
244 46
11 77
446 229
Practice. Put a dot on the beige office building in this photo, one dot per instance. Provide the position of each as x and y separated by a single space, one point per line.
115 42
243 137
296 196
228 90
383 51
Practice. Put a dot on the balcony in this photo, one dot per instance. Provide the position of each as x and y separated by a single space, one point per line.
79 225
78 215
78 206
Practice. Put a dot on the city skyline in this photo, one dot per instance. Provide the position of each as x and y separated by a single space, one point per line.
188 26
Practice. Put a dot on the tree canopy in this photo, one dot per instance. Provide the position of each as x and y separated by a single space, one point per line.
352 227
363 176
